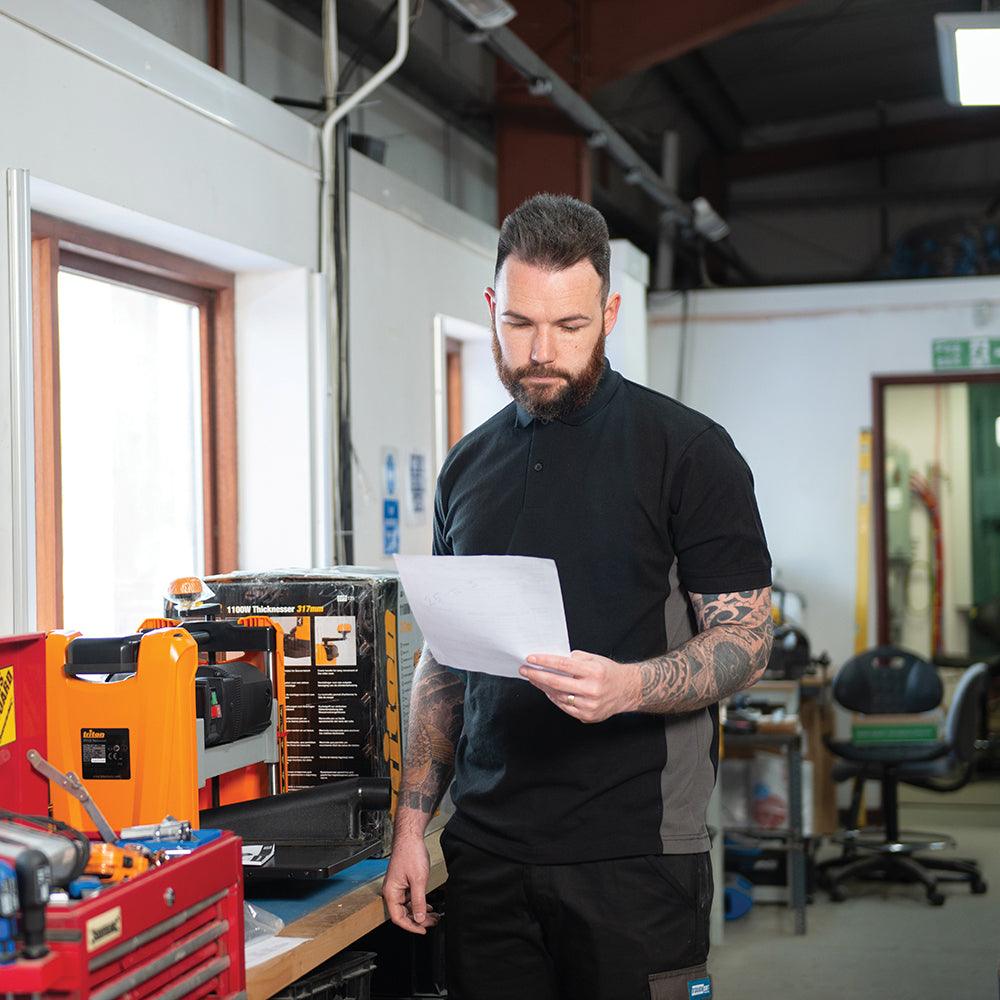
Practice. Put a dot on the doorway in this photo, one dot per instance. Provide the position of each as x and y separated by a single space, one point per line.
467 390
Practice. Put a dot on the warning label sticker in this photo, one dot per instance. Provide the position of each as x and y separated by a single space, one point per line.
7 731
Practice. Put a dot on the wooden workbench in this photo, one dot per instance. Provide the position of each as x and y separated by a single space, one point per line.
331 928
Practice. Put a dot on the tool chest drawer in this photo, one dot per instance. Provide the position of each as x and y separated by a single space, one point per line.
175 932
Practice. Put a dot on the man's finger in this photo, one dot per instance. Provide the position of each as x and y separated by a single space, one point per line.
554 682
401 918
418 903
564 664
574 708
396 905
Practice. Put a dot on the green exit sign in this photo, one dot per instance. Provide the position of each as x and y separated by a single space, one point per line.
966 352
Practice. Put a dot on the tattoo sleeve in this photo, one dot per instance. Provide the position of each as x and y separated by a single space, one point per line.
728 654
436 714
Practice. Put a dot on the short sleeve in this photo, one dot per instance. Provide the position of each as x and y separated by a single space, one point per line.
715 527
441 545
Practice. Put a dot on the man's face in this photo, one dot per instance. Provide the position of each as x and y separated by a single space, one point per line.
548 334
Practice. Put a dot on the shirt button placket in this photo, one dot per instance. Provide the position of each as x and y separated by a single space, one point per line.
533 488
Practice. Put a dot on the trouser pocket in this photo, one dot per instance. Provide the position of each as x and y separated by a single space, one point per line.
693 983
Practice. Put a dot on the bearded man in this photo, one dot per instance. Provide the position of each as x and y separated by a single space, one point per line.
577 856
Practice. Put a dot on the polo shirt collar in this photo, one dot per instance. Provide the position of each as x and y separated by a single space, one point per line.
603 394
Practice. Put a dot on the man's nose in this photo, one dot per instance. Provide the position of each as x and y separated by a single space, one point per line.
543 347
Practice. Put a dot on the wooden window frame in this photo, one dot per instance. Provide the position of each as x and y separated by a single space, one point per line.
58 244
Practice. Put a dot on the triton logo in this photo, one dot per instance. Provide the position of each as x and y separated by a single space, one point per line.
105 928
93 734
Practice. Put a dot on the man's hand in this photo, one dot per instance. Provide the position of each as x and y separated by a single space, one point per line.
595 689
404 888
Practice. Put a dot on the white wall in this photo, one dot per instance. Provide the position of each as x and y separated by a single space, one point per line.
412 257
628 344
275 55
483 393
126 133
273 315
201 153
788 372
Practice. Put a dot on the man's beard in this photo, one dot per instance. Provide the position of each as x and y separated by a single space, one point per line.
551 403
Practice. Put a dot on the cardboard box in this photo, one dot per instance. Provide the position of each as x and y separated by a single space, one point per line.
897 728
351 647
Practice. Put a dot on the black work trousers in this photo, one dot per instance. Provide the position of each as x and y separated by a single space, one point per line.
622 929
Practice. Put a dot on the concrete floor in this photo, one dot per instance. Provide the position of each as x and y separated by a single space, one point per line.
882 942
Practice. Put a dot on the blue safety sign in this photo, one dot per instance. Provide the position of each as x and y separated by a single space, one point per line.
390 526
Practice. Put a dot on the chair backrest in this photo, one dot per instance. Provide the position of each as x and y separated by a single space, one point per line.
962 726
887 680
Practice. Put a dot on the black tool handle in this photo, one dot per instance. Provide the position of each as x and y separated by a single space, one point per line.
34 881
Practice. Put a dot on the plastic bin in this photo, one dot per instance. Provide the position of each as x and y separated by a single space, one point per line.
347 976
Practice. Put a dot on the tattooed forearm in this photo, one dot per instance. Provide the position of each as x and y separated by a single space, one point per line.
728 654
436 713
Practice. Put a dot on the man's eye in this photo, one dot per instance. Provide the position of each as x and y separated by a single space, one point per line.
571 329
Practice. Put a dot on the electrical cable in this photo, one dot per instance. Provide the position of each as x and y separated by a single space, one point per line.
921 489
340 251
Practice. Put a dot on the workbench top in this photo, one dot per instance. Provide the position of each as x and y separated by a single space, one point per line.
330 919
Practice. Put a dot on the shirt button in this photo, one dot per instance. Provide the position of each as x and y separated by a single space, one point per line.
538 466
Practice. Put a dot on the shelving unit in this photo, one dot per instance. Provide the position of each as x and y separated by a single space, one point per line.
792 836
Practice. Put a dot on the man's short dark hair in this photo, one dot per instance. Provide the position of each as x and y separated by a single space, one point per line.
556 231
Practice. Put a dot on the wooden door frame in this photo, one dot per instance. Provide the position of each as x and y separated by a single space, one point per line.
879 384
453 381
58 244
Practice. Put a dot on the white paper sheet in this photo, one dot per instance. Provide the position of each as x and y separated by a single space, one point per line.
264 949
486 613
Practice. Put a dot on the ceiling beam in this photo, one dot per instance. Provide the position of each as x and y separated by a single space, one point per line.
821 151
632 35
698 90
982 193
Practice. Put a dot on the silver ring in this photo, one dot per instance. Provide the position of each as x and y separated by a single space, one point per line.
570 698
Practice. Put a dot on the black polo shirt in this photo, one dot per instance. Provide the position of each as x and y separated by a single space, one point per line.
640 501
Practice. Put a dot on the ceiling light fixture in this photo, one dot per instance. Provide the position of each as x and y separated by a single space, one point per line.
969 51
484 14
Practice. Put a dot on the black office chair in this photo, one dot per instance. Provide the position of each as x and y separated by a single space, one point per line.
888 680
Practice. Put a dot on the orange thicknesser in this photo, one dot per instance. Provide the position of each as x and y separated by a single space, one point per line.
182 706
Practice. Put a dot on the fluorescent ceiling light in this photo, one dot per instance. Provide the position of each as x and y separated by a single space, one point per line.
969 50
484 14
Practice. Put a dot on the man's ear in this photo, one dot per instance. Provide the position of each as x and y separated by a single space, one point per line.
611 312
491 301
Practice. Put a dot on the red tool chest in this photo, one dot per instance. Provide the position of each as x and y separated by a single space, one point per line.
174 932
22 723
